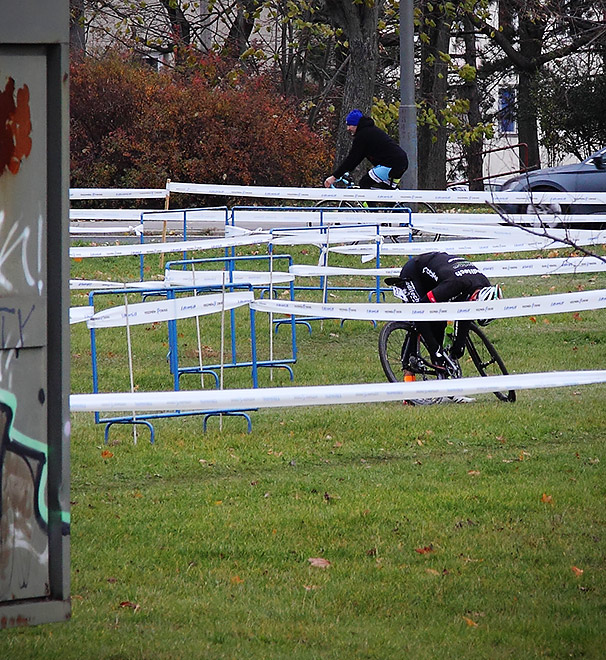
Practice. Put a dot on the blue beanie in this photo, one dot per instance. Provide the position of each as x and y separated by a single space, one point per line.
353 118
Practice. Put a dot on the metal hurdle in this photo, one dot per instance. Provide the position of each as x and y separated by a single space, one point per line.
230 262
219 215
145 316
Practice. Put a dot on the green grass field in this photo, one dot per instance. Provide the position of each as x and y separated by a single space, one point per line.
450 531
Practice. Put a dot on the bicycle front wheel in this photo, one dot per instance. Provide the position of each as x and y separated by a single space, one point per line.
486 359
402 351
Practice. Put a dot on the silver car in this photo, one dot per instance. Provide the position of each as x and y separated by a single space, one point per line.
587 176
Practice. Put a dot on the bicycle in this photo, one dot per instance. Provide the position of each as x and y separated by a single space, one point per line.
346 181
404 356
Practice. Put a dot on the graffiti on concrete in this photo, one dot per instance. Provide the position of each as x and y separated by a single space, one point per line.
15 127
17 238
23 507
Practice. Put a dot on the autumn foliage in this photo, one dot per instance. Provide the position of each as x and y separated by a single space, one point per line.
133 127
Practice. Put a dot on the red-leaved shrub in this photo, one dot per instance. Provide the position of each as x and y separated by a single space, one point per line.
132 127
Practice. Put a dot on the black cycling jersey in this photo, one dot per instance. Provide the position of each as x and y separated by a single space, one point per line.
373 143
442 277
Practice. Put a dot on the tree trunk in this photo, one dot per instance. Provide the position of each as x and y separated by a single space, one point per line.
77 37
433 87
236 41
360 24
531 43
473 151
179 25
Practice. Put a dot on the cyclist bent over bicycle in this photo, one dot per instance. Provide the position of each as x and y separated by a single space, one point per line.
442 277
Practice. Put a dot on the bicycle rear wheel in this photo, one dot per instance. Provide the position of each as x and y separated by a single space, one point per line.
402 351
486 359
417 235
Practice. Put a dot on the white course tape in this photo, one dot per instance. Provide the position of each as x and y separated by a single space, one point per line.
472 246
80 314
107 229
218 277
510 268
168 310
512 219
159 248
105 214
553 266
403 196
312 216
89 285
322 395
118 193
494 309
473 230
207 215
318 271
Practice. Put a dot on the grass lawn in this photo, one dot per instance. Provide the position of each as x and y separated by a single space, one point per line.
450 531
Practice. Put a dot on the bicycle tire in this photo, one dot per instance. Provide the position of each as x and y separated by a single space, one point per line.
339 204
486 359
398 341
417 234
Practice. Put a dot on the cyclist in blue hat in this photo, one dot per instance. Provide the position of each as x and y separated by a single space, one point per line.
369 141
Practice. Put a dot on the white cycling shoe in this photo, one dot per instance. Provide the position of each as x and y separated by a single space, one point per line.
459 399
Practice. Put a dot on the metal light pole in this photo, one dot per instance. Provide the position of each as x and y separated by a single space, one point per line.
408 112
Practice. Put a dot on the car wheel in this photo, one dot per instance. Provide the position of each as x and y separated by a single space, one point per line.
539 211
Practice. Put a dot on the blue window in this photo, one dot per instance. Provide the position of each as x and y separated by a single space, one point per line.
507 110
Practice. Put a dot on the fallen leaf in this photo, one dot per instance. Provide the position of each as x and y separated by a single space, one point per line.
533 319
310 587
372 552
470 622
106 454
425 550
236 579
133 606
546 499
474 473
577 571
432 571
577 317
318 562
